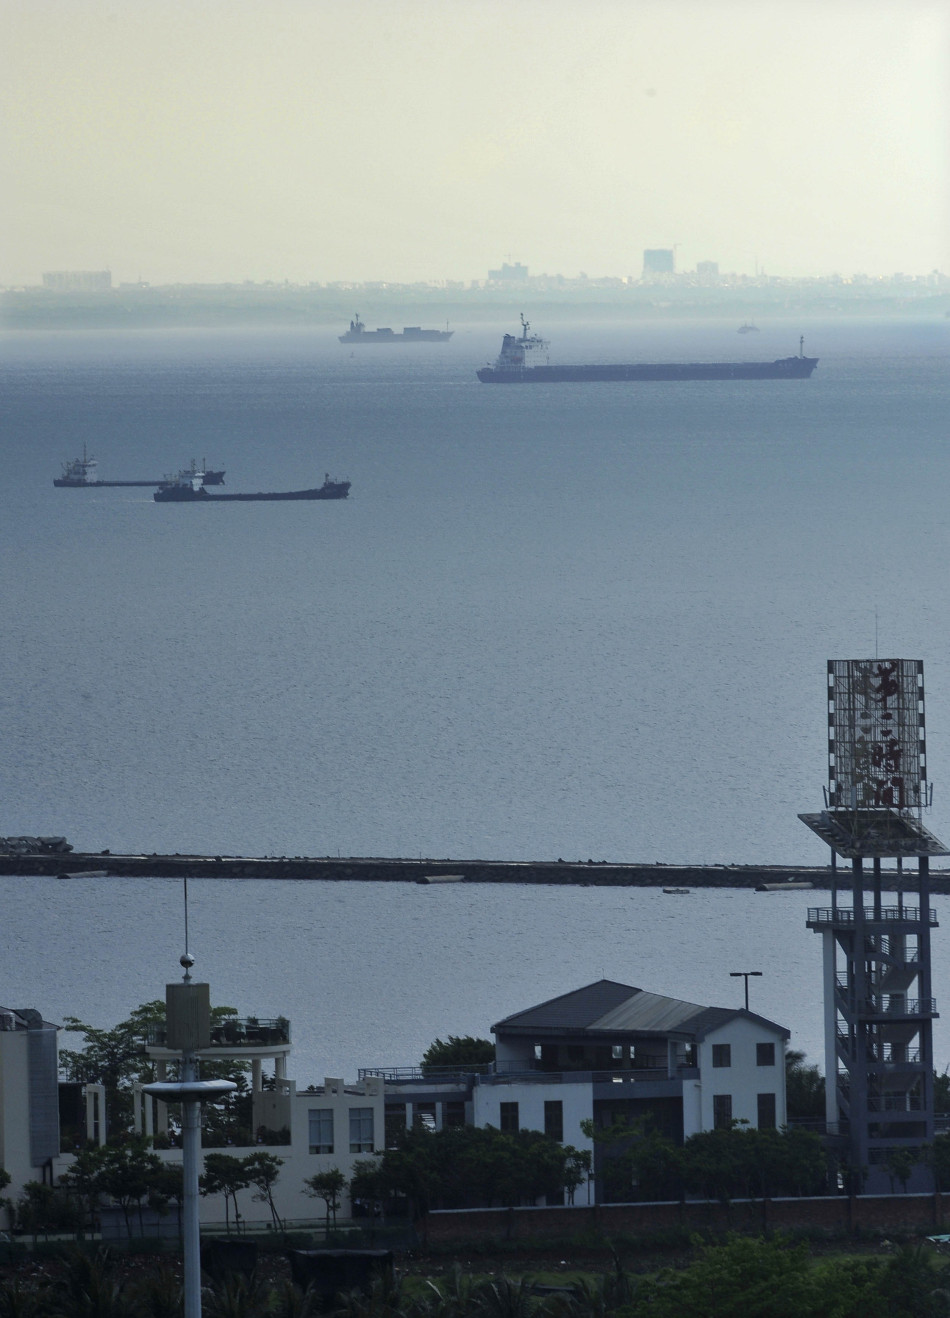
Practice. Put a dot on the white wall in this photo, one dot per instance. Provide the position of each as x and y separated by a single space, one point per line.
15 1111
743 1079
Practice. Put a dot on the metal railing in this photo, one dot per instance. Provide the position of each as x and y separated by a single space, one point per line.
895 1004
433 1073
234 1031
845 915
524 1073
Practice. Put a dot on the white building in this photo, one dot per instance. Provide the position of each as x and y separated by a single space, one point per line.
29 1097
609 1052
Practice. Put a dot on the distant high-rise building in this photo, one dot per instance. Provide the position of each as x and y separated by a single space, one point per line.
78 281
707 269
658 261
509 274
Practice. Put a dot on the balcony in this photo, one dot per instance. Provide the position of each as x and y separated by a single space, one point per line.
824 917
235 1032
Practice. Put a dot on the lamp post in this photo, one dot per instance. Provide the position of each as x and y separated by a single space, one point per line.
188 1015
746 975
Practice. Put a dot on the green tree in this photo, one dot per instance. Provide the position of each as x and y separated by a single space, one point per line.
754 1278
469 1166
116 1058
327 1186
44 1209
458 1052
126 1173
166 1187
639 1161
804 1089
900 1164
264 1169
225 1175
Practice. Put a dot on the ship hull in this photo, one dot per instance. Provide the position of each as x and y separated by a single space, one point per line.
787 368
64 483
184 494
420 336
70 483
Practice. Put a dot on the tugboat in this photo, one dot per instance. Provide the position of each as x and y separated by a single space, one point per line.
188 488
509 367
358 333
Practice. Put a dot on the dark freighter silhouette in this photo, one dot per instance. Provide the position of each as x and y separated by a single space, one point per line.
185 490
510 367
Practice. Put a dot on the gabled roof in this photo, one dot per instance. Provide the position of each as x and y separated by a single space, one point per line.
571 1011
607 1007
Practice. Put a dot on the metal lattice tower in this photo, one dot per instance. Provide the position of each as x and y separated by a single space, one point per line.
879 1007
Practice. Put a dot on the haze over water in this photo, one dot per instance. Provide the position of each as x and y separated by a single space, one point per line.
578 621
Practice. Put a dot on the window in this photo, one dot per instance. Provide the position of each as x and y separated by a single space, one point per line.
454 1113
766 1117
423 1114
765 1054
395 1123
361 1130
509 1118
722 1054
321 1129
554 1119
722 1111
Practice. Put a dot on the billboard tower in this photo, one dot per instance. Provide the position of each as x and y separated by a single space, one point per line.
879 1008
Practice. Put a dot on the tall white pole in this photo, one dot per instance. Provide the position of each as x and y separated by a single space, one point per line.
190 1162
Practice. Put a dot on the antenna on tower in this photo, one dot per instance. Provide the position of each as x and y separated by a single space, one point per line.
186 959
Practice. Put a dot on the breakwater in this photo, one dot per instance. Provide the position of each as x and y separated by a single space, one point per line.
378 870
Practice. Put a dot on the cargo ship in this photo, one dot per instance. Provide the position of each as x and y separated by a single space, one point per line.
510 367
80 474
358 333
189 489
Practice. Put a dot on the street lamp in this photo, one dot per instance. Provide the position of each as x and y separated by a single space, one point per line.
188 1015
746 975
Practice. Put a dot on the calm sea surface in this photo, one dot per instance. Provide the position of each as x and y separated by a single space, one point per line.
578 621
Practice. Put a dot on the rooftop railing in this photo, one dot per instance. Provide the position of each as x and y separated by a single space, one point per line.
845 914
235 1031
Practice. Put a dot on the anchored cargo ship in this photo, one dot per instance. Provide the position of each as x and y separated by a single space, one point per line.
510 367
358 333
80 474
186 489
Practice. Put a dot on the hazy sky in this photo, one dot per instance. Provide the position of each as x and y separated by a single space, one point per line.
207 140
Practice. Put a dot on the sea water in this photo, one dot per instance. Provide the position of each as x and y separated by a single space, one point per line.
578 621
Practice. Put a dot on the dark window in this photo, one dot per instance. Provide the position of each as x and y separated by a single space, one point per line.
423 1114
722 1054
395 1123
454 1113
361 1130
722 1111
321 1129
509 1118
765 1054
554 1119
766 1111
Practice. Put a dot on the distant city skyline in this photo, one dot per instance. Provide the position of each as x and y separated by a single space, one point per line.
408 140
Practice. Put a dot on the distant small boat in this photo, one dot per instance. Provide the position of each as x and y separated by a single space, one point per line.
789 885
747 327
677 892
